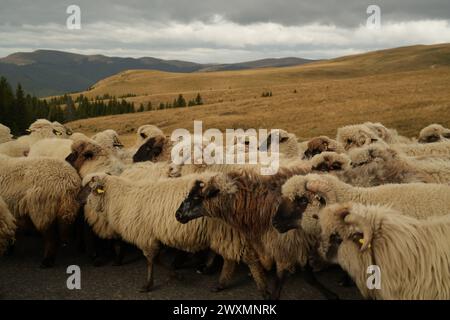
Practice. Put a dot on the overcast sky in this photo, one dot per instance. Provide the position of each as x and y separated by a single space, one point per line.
221 30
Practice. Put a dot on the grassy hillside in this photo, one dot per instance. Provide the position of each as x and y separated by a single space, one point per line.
406 88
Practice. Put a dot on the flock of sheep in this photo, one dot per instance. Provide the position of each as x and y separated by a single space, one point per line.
368 197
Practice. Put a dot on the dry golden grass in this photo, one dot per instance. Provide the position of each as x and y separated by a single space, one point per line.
405 88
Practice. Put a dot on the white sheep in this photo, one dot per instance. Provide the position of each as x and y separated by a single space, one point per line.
38 130
55 147
108 139
143 214
434 133
45 190
7 227
413 256
376 165
5 134
418 200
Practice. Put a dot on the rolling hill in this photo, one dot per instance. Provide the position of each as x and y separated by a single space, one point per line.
405 88
48 72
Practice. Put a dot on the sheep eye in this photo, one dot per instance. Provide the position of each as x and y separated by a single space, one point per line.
349 141
88 155
143 135
335 238
320 199
302 200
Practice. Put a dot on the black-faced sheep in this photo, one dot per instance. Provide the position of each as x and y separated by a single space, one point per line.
89 157
7 227
250 210
43 190
144 214
413 256
419 200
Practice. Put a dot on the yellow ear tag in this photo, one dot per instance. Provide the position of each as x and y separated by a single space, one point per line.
361 241
100 190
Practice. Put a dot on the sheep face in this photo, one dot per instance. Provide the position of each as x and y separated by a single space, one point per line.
145 132
432 133
88 157
330 161
201 194
343 228
150 150
108 139
283 138
299 194
356 136
42 128
319 145
375 155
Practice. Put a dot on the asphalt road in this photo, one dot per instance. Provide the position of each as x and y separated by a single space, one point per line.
21 278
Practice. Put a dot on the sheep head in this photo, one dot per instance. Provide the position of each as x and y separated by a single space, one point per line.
108 139
43 128
330 161
205 188
298 194
373 154
151 149
356 136
343 223
88 157
282 136
321 144
432 133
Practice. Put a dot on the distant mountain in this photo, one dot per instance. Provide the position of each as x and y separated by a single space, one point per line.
48 72
264 63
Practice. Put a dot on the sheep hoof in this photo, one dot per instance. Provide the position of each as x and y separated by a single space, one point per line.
267 295
145 288
217 288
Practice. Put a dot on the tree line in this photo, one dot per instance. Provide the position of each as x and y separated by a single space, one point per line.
18 109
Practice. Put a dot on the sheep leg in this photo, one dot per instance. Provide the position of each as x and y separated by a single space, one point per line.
257 271
225 275
312 280
279 283
208 267
150 254
50 245
346 281
119 251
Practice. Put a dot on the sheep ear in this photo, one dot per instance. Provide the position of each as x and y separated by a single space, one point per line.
84 194
362 225
284 139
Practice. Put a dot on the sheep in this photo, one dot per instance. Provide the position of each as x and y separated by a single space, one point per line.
375 165
356 136
55 147
433 133
108 139
390 166
38 130
321 144
43 190
288 144
144 214
89 157
7 227
389 136
435 149
250 210
413 255
418 200
5 134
